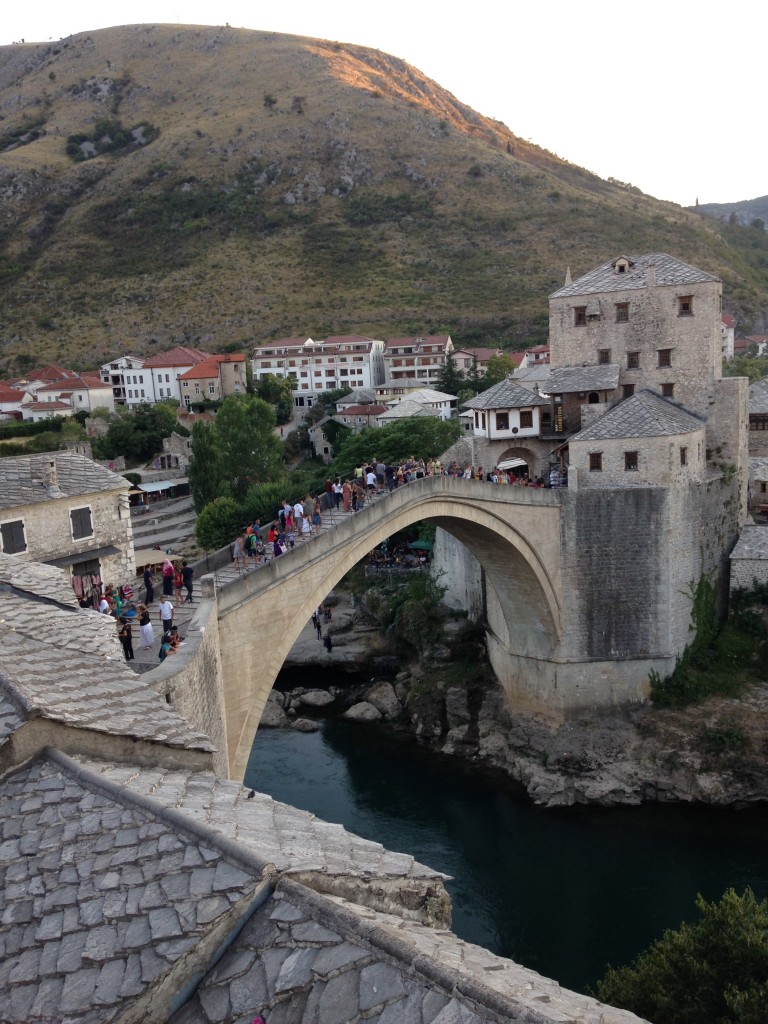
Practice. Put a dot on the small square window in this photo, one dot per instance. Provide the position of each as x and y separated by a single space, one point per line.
603 356
668 390
685 305
622 312
579 316
665 356
13 537
628 390
683 456
631 463
633 360
595 462
526 418
502 421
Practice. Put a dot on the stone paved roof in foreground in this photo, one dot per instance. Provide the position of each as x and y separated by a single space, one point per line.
645 414
36 579
96 691
22 481
507 394
291 839
307 957
565 380
669 271
102 894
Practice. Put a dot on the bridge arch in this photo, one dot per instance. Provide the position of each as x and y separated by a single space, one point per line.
262 615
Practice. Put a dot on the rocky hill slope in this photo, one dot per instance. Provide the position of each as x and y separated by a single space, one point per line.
164 184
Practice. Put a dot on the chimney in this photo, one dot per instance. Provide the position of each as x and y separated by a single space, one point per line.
650 280
567 277
51 480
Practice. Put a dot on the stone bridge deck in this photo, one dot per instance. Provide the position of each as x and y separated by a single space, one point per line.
514 532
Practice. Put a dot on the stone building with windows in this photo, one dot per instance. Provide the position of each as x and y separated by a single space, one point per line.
213 379
66 510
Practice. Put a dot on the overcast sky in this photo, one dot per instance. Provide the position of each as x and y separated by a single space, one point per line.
669 96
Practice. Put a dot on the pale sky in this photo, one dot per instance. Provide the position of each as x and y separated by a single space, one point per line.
669 96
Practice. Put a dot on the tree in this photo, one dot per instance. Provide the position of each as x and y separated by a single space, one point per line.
278 391
422 436
497 369
205 476
450 377
137 434
712 972
218 524
249 450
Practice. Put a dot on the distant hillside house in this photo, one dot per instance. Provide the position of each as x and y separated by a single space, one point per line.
340 361
34 412
64 509
465 359
10 402
358 417
727 335
130 384
83 392
417 361
214 378
424 402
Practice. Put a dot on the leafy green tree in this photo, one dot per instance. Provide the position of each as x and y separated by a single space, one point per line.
498 368
205 470
450 378
278 391
422 436
249 450
712 972
137 434
218 524
755 367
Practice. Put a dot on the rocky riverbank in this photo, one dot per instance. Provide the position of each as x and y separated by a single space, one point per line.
714 753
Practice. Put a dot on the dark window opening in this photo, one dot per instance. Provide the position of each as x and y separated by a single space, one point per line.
595 462
631 463
633 360
668 390
683 456
603 356
622 311
579 316
665 356
685 305
628 390
526 418
502 421
82 525
12 534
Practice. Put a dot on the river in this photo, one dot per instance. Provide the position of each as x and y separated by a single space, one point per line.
561 891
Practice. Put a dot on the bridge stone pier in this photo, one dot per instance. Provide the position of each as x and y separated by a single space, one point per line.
541 622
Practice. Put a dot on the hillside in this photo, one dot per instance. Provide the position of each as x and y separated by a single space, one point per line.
241 186
745 212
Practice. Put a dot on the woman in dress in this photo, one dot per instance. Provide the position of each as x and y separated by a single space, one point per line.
346 496
317 519
145 628
167 577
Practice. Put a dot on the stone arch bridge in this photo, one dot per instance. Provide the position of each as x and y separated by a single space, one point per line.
520 540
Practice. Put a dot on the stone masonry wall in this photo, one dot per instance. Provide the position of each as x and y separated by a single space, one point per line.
49 531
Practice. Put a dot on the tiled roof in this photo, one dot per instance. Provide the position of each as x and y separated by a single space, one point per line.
669 271
22 480
51 373
104 895
281 343
36 579
406 408
645 414
42 406
358 396
362 410
179 356
752 542
431 396
482 355
758 396
10 394
567 380
507 394
728 320
426 339
209 367
291 839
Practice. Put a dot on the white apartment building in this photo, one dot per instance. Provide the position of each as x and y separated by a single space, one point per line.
340 361
416 361
135 380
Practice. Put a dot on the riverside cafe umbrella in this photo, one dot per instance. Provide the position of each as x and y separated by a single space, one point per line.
421 545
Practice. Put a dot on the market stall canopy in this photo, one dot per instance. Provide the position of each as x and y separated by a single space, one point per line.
422 545
162 485
512 463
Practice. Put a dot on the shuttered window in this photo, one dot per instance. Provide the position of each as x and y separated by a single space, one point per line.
13 538
82 525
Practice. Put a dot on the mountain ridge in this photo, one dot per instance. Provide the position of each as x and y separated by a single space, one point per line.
290 185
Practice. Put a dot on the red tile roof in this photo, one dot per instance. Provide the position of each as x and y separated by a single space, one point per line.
728 320
362 410
179 356
210 367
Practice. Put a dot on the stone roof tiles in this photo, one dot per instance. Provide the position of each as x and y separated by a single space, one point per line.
36 580
645 414
23 481
667 269
758 397
752 543
507 394
307 957
291 839
572 379
104 895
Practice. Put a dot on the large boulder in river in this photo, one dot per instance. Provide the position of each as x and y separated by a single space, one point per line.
305 725
315 698
363 712
273 716
383 697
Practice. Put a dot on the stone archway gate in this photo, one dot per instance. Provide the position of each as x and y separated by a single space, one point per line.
514 532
